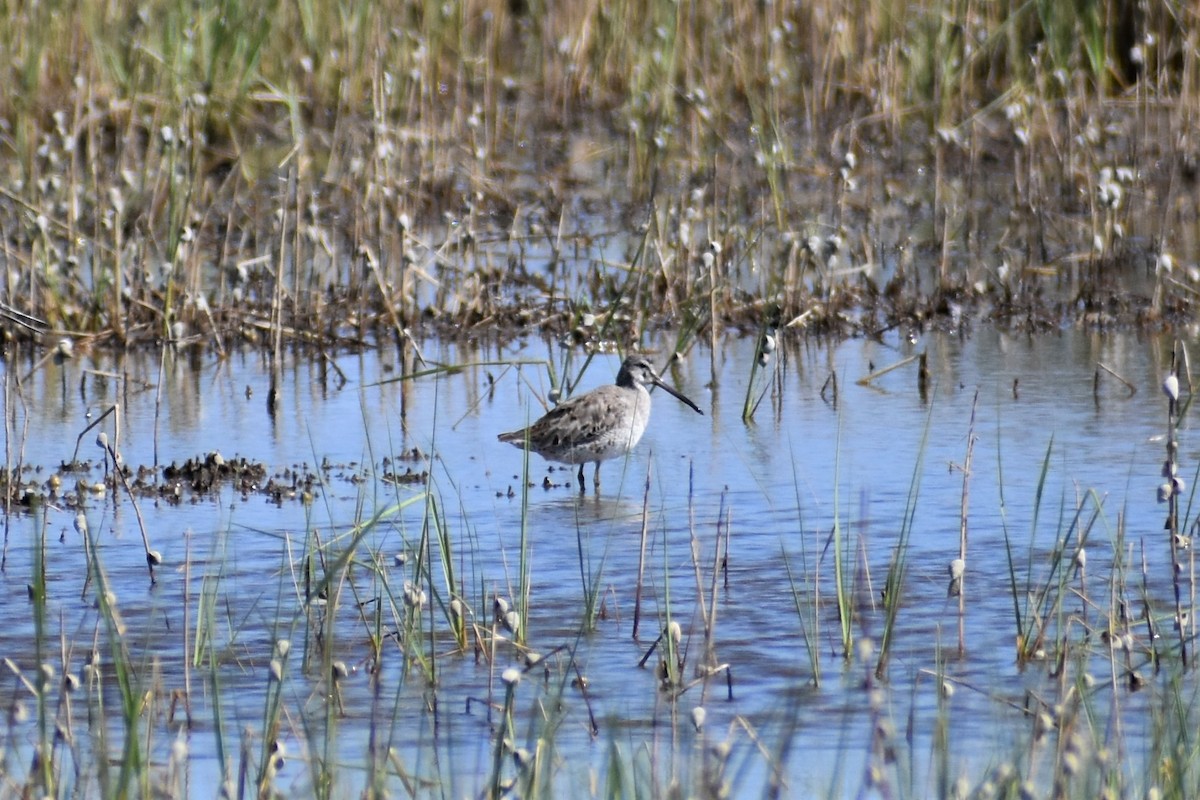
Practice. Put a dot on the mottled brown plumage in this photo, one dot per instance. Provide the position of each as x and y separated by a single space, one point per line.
601 424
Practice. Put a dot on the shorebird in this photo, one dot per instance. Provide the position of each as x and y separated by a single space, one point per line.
598 425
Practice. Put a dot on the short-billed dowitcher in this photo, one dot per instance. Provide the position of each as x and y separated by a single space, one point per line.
598 425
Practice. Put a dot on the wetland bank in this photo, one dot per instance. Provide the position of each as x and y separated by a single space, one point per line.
929 269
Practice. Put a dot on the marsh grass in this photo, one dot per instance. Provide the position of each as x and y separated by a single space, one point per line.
193 170
1039 603
130 685
591 579
894 588
842 580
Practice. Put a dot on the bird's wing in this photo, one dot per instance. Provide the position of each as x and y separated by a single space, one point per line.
584 419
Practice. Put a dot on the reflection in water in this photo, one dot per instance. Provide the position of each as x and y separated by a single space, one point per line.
723 527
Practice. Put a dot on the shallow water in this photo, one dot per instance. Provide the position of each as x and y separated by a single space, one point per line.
811 458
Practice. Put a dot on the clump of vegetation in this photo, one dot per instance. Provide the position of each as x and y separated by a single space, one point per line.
233 172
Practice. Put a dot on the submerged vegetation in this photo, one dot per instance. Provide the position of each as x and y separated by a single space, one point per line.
329 173
218 177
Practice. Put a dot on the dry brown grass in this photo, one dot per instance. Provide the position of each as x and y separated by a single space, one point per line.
341 172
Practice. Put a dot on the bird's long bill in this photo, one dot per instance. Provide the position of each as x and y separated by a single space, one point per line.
677 395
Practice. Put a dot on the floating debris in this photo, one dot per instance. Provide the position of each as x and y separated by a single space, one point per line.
206 474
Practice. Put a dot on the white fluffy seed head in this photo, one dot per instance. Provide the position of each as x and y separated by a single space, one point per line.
1109 193
414 596
511 676
1170 386
699 715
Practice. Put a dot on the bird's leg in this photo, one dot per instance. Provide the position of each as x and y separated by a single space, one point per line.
582 482
596 477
